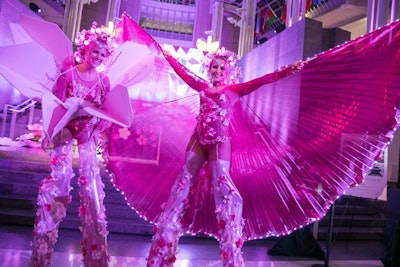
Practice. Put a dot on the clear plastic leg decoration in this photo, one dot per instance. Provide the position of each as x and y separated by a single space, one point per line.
52 202
168 229
229 206
92 210
397 116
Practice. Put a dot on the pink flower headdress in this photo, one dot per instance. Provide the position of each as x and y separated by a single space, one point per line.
228 56
85 38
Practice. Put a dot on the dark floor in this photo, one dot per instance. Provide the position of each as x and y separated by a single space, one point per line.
131 250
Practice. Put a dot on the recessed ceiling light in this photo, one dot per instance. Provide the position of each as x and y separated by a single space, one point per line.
35 8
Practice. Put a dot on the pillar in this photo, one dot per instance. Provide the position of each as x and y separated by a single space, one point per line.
303 9
394 14
246 37
371 15
113 10
289 13
72 17
217 20
295 11
382 13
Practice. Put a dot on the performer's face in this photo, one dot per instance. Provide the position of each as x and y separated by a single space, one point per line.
97 54
219 70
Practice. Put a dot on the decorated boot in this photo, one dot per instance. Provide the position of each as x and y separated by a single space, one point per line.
52 202
229 206
163 249
92 210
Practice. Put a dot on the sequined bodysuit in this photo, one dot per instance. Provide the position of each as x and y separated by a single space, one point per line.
213 119
216 105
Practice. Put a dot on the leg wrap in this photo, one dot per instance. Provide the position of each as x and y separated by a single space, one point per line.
168 230
229 206
52 202
92 210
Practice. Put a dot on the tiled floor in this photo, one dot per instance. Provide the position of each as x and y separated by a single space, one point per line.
128 250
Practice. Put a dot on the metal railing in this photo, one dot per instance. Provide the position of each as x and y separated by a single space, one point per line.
324 7
179 2
14 111
166 20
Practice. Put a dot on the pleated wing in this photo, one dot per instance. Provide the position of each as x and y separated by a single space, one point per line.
297 144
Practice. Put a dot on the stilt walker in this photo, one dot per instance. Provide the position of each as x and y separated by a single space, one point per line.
75 85
275 151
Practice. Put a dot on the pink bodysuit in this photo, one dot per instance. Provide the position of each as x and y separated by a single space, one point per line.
216 107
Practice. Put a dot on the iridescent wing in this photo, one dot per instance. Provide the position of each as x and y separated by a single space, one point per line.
297 144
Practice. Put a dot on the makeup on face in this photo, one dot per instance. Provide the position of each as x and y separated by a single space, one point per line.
97 54
219 71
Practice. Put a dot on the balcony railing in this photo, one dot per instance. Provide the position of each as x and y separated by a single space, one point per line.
167 20
324 7
179 2
14 111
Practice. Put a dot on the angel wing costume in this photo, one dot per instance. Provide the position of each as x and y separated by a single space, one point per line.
297 143
42 69
51 47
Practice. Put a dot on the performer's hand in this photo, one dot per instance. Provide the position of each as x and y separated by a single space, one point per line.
103 125
73 102
298 65
100 127
46 142
397 116
166 52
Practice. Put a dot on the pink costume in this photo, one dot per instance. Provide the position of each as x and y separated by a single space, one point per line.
297 143
212 127
54 192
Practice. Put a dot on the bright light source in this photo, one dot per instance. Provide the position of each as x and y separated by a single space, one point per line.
208 45
35 8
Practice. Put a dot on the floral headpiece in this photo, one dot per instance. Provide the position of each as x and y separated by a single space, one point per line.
85 38
229 57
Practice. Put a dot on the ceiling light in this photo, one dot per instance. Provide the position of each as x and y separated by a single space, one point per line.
35 8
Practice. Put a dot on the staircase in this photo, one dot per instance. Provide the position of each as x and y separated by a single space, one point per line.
354 219
21 170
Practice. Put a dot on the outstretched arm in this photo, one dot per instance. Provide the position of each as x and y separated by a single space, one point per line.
248 87
188 76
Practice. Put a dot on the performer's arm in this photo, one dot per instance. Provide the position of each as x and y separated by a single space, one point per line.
61 87
106 87
249 86
188 76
